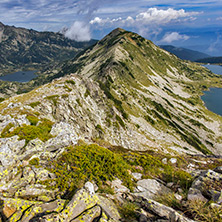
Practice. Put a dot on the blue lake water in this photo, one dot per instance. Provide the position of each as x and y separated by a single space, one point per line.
214 68
213 98
20 76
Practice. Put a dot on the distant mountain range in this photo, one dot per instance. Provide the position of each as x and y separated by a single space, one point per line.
185 54
20 47
212 60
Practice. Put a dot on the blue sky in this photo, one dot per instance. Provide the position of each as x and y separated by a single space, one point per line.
195 24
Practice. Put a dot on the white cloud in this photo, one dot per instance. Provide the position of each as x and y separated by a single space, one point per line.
152 16
79 31
174 36
96 20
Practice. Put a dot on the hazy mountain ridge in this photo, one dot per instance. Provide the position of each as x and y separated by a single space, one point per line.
212 60
21 47
185 54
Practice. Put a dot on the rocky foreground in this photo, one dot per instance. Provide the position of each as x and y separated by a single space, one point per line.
45 181
31 189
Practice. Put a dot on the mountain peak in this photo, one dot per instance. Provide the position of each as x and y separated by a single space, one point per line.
130 68
117 31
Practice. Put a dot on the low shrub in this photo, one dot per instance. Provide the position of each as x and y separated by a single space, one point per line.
34 162
30 132
53 98
201 211
1 99
88 163
32 119
154 168
129 211
71 82
68 89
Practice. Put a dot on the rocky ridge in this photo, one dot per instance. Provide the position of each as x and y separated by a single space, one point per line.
145 111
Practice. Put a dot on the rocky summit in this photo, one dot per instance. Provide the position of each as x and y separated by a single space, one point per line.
119 134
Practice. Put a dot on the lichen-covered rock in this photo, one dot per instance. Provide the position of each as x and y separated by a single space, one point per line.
109 209
19 181
205 184
45 208
19 206
195 195
80 202
162 210
64 135
118 187
35 192
149 188
33 147
83 201
217 196
42 174
9 150
218 169
18 121
89 215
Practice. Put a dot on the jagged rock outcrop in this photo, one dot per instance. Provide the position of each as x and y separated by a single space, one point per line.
84 206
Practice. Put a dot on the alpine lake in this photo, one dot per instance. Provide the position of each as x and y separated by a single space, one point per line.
213 98
20 76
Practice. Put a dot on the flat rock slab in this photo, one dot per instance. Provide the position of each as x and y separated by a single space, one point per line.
149 188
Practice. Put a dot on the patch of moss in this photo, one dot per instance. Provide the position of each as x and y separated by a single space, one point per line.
118 103
129 211
153 167
65 96
99 128
149 119
161 109
105 188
